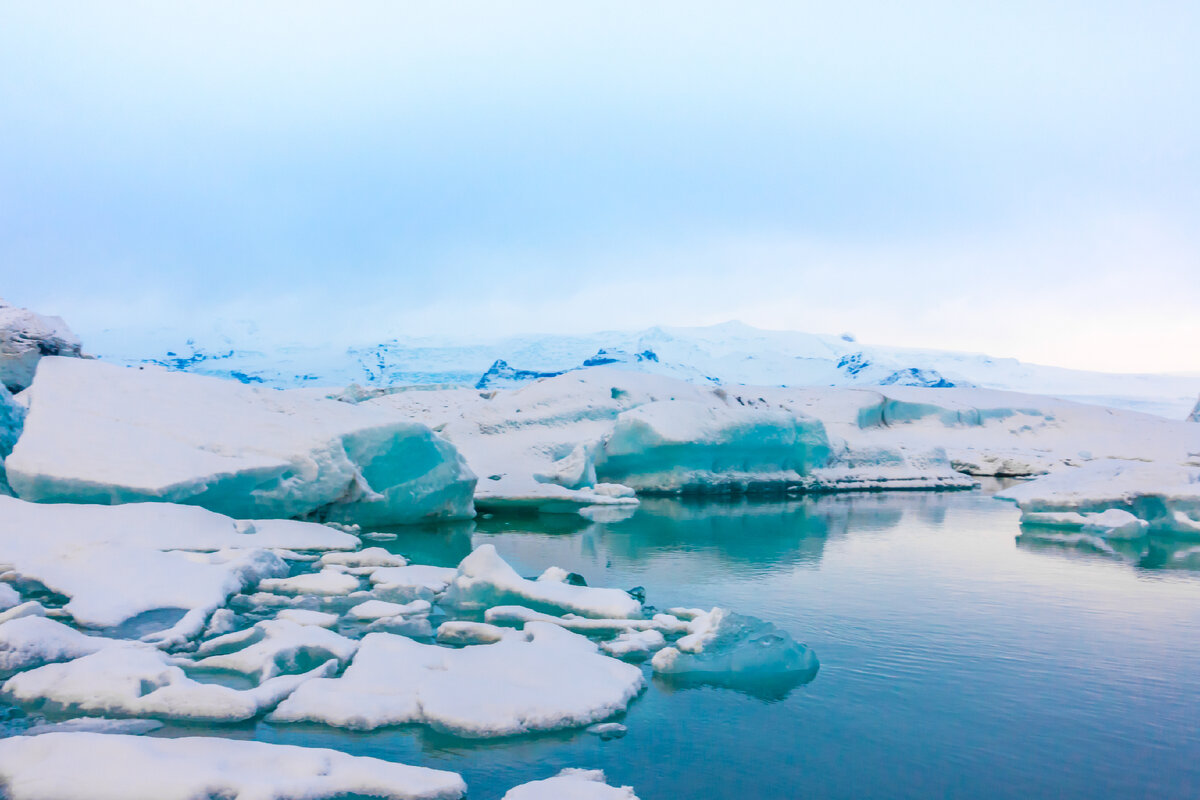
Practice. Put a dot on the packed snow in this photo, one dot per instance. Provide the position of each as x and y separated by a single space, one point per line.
96 766
106 434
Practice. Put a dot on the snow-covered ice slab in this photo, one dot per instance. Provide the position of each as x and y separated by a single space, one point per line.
100 433
94 766
723 644
143 682
519 615
485 579
1111 497
115 563
571 784
546 679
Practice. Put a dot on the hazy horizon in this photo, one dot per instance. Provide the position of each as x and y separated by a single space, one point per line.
1021 181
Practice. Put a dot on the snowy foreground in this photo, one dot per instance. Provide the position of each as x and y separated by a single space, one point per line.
185 548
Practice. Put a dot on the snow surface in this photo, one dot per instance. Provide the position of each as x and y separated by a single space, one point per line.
571 784
106 434
272 647
545 679
95 766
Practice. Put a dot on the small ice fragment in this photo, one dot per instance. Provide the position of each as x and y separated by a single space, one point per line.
571 784
607 730
303 616
326 582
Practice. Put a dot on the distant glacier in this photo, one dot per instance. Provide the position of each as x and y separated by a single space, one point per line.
725 354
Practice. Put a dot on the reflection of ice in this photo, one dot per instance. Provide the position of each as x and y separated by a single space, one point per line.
1150 552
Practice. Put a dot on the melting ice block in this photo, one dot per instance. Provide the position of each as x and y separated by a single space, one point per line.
546 679
723 644
571 784
99 433
96 766
484 579
273 646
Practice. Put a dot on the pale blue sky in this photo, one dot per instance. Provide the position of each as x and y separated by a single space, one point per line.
1021 178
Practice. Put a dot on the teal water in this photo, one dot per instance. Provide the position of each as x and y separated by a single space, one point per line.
956 659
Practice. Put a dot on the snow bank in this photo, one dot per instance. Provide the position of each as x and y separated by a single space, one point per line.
143 682
546 679
571 784
25 337
484 580
105 434
93 766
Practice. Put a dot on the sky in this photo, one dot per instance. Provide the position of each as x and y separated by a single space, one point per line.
1017 178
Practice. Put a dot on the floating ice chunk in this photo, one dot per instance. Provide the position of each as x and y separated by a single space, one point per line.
547 679
9 597
222 621
517 615
415 576
132 727
484 579
367 557
326 582
380 609
571 784
93 766
142 682
102 433
724 643
304 616
33 641
634 643
607 730
413 627
464 632
273 647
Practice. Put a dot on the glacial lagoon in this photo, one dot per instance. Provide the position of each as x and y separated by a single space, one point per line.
959 658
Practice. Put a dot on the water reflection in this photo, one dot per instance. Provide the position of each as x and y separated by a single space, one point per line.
1149 552
768 688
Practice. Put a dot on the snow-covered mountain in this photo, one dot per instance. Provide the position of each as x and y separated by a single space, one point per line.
729 353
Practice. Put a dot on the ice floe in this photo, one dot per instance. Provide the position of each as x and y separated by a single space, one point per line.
101 433
95 766
571 784
144 682
272 647
546 679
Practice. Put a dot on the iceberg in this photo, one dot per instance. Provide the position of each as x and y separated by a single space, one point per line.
97 766
99 433
1115 497
25 338
571 784
484 580
545 679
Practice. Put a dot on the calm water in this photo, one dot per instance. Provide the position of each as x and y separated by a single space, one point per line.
956 661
